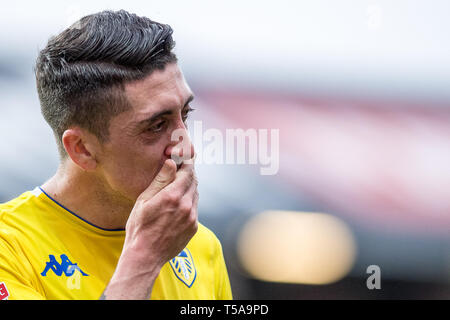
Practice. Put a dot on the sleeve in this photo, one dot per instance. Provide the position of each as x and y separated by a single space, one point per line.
16 279
223 287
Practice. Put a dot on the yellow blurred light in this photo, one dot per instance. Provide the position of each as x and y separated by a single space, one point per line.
296 247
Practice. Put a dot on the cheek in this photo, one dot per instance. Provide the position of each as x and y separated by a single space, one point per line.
130 171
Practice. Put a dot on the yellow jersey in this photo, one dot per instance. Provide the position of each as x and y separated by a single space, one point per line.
48 252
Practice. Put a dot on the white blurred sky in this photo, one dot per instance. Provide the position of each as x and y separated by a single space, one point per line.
394 47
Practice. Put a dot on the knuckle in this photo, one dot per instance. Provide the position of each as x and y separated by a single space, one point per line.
141 206
195 223
185 207
195 227
192 219
172 199
160 180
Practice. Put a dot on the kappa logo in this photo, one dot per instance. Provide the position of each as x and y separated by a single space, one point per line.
184 268
66 266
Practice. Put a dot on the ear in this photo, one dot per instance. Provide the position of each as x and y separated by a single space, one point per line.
79 146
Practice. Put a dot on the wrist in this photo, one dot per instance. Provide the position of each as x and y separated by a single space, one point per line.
133 278
137 262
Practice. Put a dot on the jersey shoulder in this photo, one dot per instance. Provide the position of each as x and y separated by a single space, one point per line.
15 203
205 245
19 214
205 239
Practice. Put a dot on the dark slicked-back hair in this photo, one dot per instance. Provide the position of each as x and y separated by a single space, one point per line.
81 73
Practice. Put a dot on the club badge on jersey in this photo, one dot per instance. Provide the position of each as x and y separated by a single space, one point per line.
184 268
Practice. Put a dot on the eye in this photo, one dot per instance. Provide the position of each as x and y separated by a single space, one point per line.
186 113
157 126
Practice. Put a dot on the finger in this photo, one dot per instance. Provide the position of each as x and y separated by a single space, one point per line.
195 204
188 164
184 153
190 200
194 211
191 191
185 177
195 199
164 177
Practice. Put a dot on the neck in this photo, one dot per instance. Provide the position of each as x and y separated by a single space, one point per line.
87 196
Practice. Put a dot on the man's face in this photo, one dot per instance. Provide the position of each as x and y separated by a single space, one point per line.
140 138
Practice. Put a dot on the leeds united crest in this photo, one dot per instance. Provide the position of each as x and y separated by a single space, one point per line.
184 268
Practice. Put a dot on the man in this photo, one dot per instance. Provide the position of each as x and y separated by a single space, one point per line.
118 220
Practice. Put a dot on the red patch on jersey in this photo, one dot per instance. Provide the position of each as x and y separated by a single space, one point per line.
4 294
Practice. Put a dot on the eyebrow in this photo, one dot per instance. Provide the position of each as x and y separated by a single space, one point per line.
164 112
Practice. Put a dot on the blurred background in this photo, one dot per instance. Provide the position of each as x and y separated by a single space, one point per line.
359 91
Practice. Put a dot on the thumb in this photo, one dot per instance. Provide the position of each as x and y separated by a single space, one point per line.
164 177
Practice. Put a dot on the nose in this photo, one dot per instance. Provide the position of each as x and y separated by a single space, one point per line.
180 147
